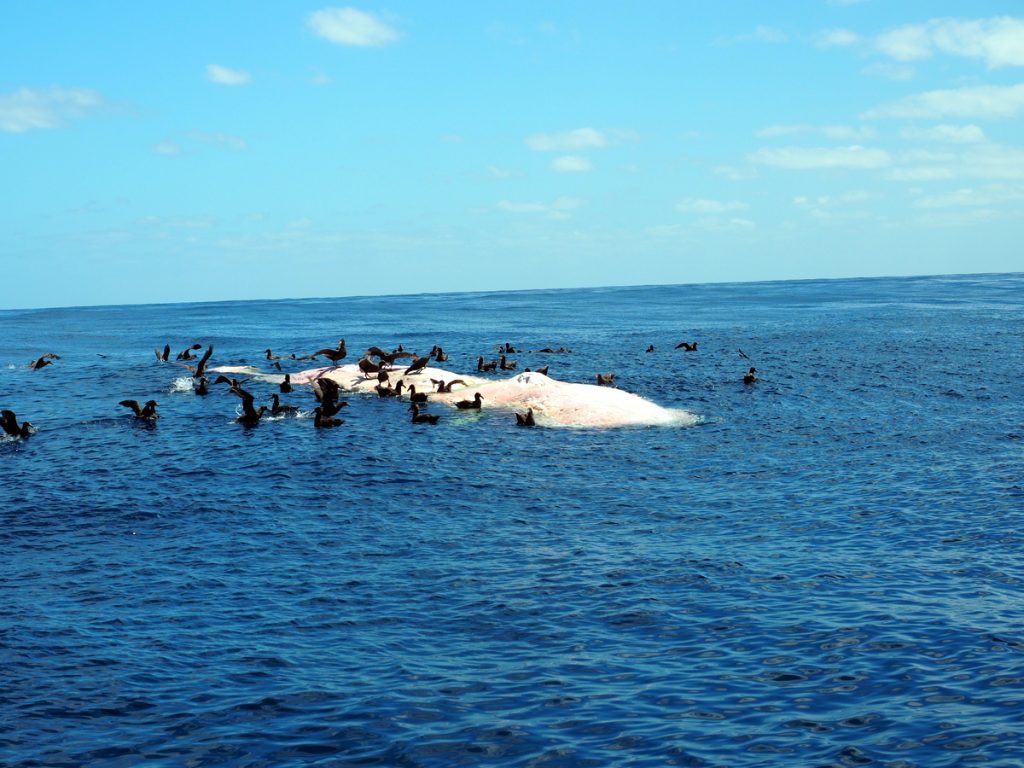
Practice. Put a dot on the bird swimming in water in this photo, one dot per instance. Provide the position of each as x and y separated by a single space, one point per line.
423 418
271 356
42 362
606 379
277 409
286 385
165 355
320 421
473 404
508 349
750 377
439 354
250 415
9 423
505 365
525 419
559 351
485 367
186 353
742 354
687 346
327 391
201 387
650 348
416 397
147 411
200 368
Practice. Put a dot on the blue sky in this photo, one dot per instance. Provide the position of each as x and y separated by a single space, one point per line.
154 152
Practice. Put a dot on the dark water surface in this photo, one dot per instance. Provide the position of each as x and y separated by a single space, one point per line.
829 570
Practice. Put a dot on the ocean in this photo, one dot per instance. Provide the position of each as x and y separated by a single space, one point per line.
822 568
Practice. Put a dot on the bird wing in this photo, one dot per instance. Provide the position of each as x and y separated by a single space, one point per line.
204 360
133 404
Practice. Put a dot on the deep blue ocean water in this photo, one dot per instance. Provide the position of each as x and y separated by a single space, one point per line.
828 570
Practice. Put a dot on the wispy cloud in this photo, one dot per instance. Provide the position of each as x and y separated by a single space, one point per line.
972 197
889 71
836 38
28 109
167 148
349 26
559 209
977 161
999 42
567 141
709 207
836 132
979 101
221 75
222 140
571 164
953 134
833 206
816 158
763 34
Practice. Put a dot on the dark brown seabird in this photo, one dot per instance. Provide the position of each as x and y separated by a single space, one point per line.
9 423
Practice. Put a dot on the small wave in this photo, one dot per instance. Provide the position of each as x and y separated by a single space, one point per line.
181 384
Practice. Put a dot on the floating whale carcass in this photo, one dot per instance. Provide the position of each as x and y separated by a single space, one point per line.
554 403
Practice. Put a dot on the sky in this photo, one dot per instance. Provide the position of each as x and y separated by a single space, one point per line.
193 151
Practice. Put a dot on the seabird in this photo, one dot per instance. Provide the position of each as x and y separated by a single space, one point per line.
286 385
471 404
650 348
9 423
482 366
525 419
367 366
446 387
277 409
750 376
272 356
606 379
250 416
186 354
416 397
201 388
320 421
439 354
42 362
388 357
334 355
147 411
543 370
505 365
423 418
200 368
417 365
163 356
686 346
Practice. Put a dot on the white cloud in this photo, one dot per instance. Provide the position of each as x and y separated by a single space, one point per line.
890 71
836 38
348 26
833 206
167 148
223 140
952 134
837 132
968 197
28 109
215 73
978 101
559 209
709 207
997 41
978 161
734 173
813 158
501 173
567 141
571 164
764 34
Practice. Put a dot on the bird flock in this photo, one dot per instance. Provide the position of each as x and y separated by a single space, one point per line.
375 362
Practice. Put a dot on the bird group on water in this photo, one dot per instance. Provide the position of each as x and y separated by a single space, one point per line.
376 362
